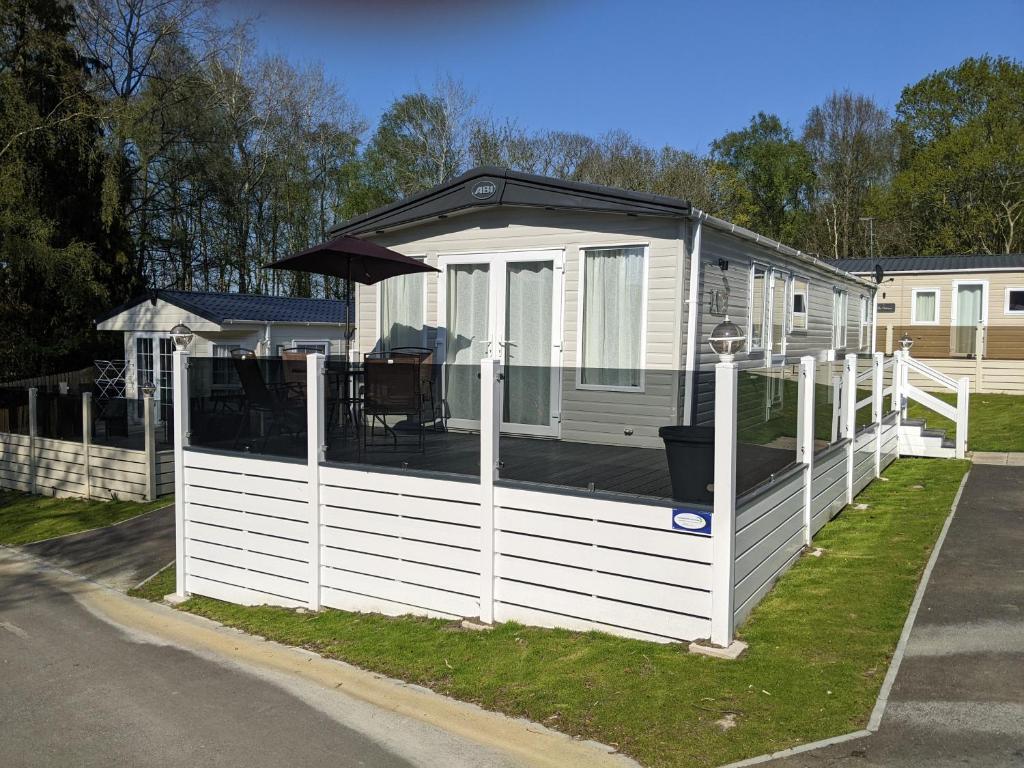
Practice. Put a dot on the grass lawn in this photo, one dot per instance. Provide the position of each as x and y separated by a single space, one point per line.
25 518
994 422
820 644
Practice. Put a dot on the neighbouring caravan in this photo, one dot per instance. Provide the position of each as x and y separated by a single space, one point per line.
616 292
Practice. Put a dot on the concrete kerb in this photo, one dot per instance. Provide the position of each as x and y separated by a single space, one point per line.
875 721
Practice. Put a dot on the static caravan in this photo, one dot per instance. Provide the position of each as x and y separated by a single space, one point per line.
607 296
220 322
965 314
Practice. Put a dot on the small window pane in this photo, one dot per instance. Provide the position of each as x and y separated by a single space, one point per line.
801 290
1015 301
924 307
758 297
612 317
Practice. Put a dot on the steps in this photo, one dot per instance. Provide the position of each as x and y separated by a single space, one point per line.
917 440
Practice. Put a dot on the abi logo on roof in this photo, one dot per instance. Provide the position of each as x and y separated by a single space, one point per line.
483 189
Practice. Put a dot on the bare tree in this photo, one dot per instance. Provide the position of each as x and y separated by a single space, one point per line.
850 140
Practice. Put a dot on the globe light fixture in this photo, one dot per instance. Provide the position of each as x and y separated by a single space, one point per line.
906 342
149 388
726 340
181 335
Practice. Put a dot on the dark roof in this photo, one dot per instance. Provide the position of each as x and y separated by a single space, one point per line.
486 187
977 262
219 307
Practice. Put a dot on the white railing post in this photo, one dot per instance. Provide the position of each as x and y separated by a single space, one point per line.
963 395
979 357
316 453
149 444
896 398
877 399
490 430
805 435
87 441
33 437
723 518
181 440
849 412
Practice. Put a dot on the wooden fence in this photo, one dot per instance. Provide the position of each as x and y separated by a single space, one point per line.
82 468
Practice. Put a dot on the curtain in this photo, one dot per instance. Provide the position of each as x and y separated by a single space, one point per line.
401 311
757 309
612 317
968 315
779 303
467 325
528 350
924 307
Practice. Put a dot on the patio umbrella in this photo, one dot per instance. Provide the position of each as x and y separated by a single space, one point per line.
353 259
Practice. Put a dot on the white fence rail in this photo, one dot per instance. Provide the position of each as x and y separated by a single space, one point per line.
309 533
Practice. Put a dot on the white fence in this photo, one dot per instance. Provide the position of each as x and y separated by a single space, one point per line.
309 533
83 469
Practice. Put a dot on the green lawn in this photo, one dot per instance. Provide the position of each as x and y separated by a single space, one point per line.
820 644
994 421
25 518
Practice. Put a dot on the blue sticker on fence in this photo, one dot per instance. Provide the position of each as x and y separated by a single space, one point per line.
689 520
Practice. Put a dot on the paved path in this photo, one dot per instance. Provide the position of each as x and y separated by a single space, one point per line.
958 699
91 677
999 459
119 556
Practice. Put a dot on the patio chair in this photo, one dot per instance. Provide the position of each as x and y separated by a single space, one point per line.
112 413
429 385
272 402
393 387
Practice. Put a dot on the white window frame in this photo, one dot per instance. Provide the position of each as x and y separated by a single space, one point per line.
786 279
863 322
309 342
913 306
1006 301
581 301
765 308
792 313
380 307
840 320
954 301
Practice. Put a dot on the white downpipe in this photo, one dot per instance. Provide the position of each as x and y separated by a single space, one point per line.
692 363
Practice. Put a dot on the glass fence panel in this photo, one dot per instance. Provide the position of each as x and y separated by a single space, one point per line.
14 411
119 422
766 416
828 377
254 405
865 377
59 417
403 410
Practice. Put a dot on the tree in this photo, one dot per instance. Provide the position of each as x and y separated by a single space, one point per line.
777 171
960 185
62 254
850 142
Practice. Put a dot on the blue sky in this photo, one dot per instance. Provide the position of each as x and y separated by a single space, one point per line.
670 73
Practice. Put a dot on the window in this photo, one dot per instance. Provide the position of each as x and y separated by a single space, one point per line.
166 389
613 318
144 368
401 312
318 345
780 286
864 325
925 302
798 306
1014 301
222 371
758 307
840 308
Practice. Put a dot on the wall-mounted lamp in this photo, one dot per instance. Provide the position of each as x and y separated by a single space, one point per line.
723 264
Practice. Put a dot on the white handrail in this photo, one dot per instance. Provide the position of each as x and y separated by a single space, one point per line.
931 373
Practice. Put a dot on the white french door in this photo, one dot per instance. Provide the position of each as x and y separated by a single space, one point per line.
507 305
